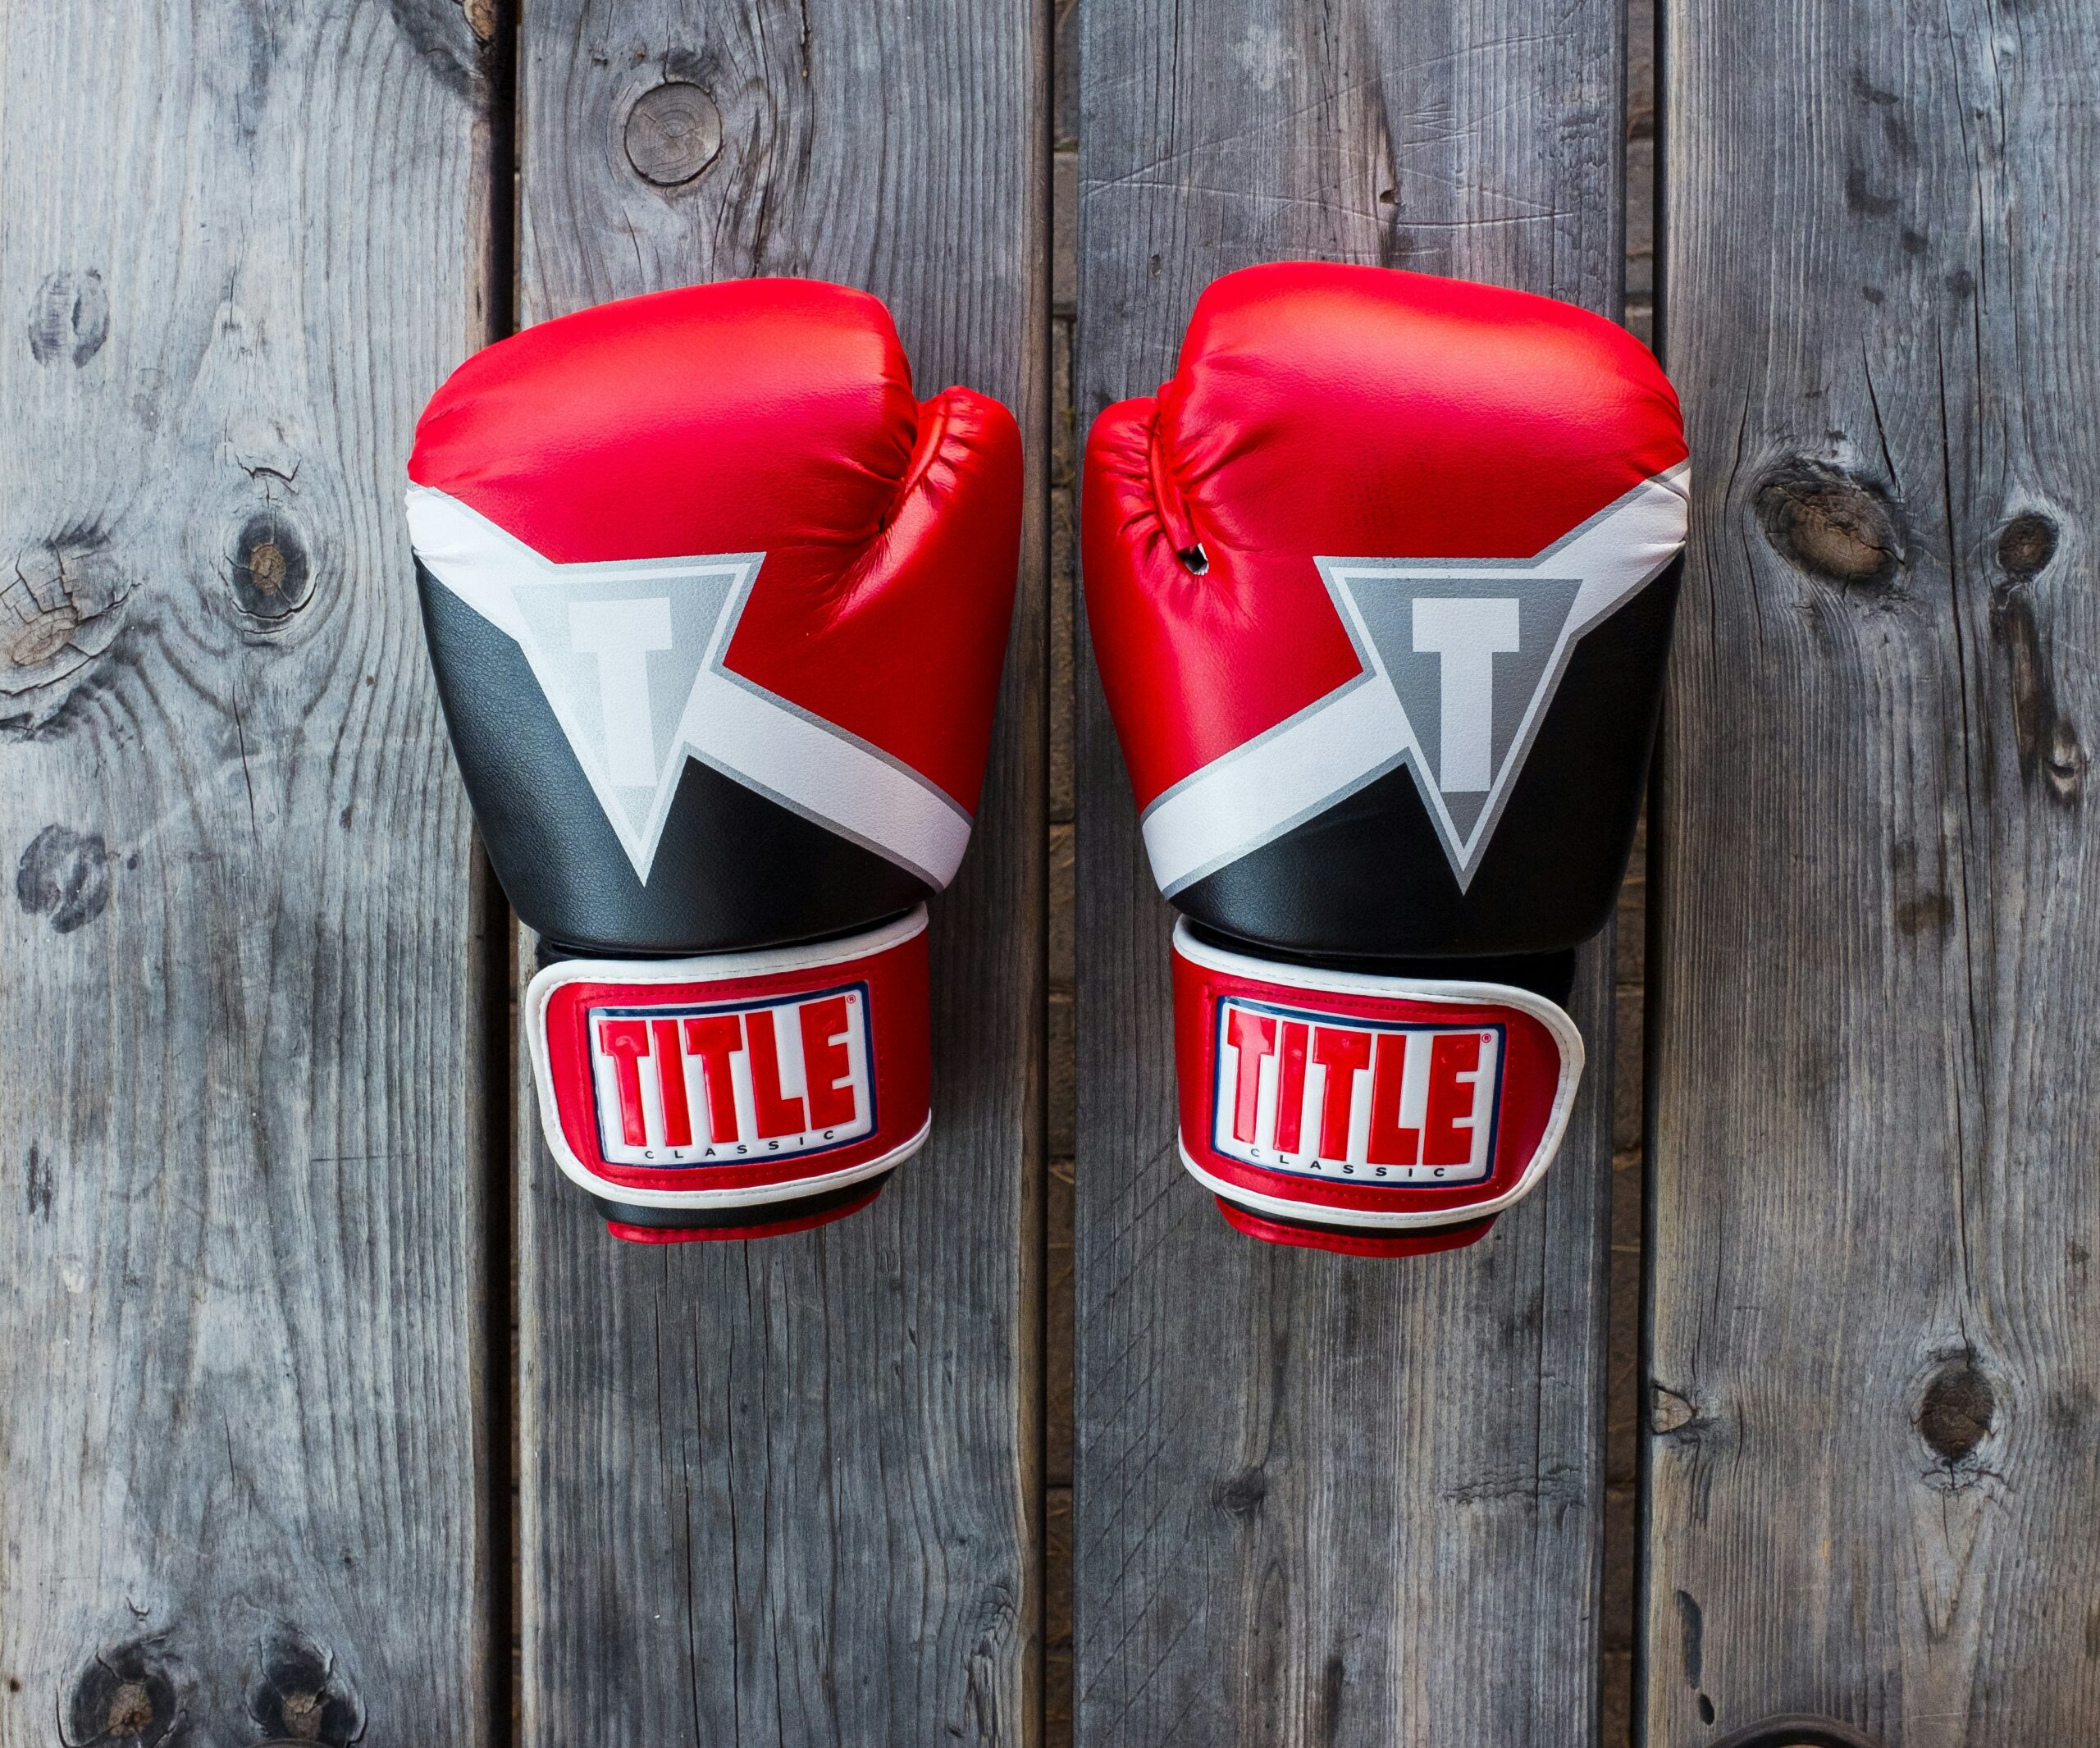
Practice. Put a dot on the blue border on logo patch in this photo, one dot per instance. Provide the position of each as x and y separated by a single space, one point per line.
1355 1023
694 1010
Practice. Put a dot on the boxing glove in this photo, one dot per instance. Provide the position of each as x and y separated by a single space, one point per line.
1380 586
717 609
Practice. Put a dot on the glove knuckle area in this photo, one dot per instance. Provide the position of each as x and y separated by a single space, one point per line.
748 415
1358 409
967 449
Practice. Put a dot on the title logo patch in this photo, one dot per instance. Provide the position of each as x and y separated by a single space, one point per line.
728 1084
1317 1096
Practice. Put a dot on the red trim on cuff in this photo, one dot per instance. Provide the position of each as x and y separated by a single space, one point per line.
1420 1242
782 1228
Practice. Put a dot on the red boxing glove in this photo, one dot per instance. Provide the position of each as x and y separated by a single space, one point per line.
1381 587
717 609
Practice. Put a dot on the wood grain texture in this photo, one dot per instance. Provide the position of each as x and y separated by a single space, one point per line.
1322 1500
242 1462
1875 1345
789 1490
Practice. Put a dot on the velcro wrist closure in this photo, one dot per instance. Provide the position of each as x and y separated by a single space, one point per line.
1361 1113
735 1080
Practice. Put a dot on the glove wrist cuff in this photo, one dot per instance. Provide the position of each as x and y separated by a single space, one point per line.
735 1095
1367 1114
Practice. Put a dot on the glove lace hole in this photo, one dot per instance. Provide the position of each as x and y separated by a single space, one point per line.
1195 559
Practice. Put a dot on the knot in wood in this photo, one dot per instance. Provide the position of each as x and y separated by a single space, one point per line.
1830 524
59 609
1241 1495
1671 1411
43 637
270 570
1955 1415
130 1709
301 1696
303 1713
2025 545
70 317
64 875
266 568
2064 763
131 1693
674 132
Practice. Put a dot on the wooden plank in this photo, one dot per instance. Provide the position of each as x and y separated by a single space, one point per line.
1875 1342
243 1455
1320 1500
789 1490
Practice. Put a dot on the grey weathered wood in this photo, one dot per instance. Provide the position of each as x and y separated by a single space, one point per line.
789 1490
1322 1500
242 1448
1875 1342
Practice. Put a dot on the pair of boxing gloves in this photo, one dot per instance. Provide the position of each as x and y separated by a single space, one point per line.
1380 586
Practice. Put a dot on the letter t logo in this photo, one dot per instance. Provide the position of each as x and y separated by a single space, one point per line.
1468 635
622 635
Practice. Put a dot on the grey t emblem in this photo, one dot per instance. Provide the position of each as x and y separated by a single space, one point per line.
1472 652
619 658
632 656
624 635
1457 662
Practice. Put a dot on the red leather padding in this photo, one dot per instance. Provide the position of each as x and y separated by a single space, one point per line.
1320 411
1507 1060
